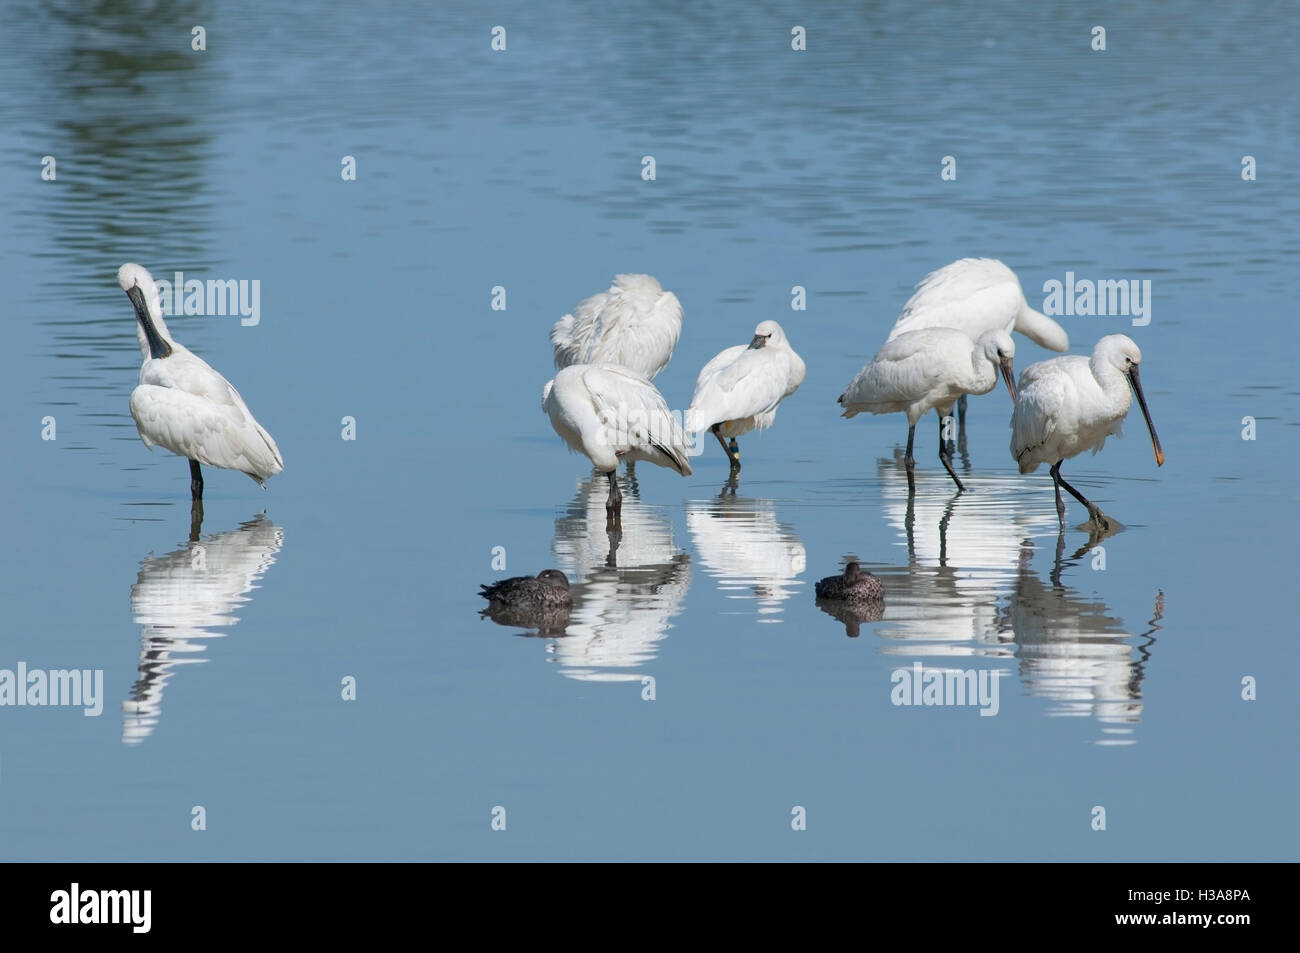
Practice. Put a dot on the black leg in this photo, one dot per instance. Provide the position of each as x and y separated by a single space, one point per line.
732 452
1060 503
945 457
196 481
961 423
196 520
613 503
909 461
1094 513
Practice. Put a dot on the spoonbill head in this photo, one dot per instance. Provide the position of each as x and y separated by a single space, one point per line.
930 369
635 324
183 405
1067 405
611 413
740 389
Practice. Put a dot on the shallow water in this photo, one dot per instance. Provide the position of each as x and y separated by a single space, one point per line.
223 662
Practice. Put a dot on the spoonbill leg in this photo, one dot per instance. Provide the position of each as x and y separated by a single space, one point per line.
1094 513
945 455
961 424
196 520
613 503
196 481
732 452
910 462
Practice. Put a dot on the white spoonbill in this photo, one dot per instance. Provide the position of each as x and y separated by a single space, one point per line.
183 405
1067 405
635 324
740 389
927 369
611 413
977 295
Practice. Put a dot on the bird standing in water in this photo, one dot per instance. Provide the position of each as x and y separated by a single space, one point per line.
740 389
1067 405
926 369
183 405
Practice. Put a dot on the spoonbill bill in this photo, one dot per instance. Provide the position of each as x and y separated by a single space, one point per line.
977 295
927 369
183 405
1070 404
740 389
612 413
635 324
853 586
550 587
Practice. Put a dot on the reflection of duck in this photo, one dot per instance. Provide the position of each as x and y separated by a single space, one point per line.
179 598
1074 653
626 586
741 543
853 614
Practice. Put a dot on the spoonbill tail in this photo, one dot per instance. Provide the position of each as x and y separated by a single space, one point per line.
550 587
1071 404
611 413
977 295
927 369
183 405
854 586
635 324
740 389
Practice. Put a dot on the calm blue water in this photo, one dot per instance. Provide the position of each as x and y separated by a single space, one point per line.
1119 687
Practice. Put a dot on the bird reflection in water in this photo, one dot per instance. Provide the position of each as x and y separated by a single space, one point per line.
1073 652
179 601
969 589
626 585
742 544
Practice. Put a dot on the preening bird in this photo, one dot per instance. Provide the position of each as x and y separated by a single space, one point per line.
611 413
926 369
183 405
977 295
741 388
1067 405
635 324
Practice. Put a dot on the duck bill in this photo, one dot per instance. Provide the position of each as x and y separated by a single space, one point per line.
157 346
1136 380
1009 376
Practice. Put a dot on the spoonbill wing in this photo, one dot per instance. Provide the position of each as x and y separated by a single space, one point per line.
636 413
1040 400
973 295
635 324
749 384
193 426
